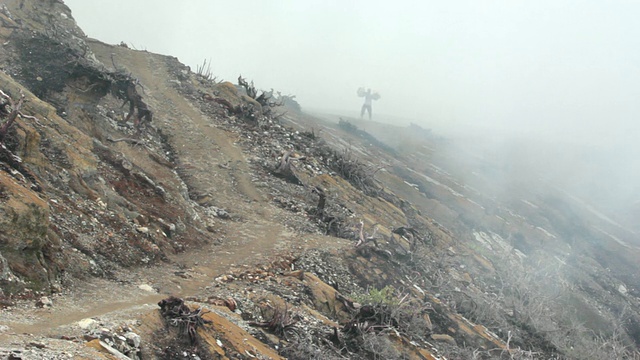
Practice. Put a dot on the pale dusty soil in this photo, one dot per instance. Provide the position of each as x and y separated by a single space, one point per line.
256 237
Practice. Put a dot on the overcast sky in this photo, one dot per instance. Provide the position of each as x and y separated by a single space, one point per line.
539 67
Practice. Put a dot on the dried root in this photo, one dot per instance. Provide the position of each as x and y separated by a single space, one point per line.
179 315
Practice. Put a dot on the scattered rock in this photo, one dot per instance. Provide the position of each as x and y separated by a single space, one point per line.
37 345
106 348
87 324
133 339
146 287
622 289
182 274
225 278
219 213
142 229
44 302
56 288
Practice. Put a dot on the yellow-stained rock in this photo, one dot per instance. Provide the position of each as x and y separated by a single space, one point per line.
486 264
409 350
228 91
443 338
232 336
324 297
427 319
101 352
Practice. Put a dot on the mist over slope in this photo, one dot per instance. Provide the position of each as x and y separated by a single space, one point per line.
214 219
601 178
540 73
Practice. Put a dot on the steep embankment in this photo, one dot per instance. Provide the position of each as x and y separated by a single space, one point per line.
304 238
93 197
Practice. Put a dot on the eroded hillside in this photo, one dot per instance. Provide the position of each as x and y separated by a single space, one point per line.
286 235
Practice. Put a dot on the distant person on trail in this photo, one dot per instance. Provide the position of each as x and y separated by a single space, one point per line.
368 96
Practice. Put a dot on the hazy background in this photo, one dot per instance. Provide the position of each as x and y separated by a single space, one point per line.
561 72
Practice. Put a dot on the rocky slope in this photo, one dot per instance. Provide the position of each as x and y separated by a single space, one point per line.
277 234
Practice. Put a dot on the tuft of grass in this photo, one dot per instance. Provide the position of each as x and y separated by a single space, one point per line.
204 70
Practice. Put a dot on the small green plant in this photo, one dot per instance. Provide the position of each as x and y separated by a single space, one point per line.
384 296
383 311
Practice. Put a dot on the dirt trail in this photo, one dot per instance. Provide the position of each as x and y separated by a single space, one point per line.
99 297
201 149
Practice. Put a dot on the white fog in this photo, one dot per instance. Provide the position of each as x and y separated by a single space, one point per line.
557 81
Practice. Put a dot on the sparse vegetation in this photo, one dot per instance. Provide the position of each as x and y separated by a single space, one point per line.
279 321
204 71
383 309
384 296
265 99
347 165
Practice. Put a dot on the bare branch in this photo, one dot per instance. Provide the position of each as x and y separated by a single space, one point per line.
13 115
129 140
361 240
285 168
365 239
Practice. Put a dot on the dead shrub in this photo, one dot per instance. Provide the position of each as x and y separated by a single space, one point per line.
177 314
384 310
347 165
280 322
311 346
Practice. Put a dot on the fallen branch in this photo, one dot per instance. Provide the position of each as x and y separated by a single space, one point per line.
129 140
348 303
12 115
285 161
114 352
285 168
322 200
410 234
13 160
279 116
365 239
146 179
